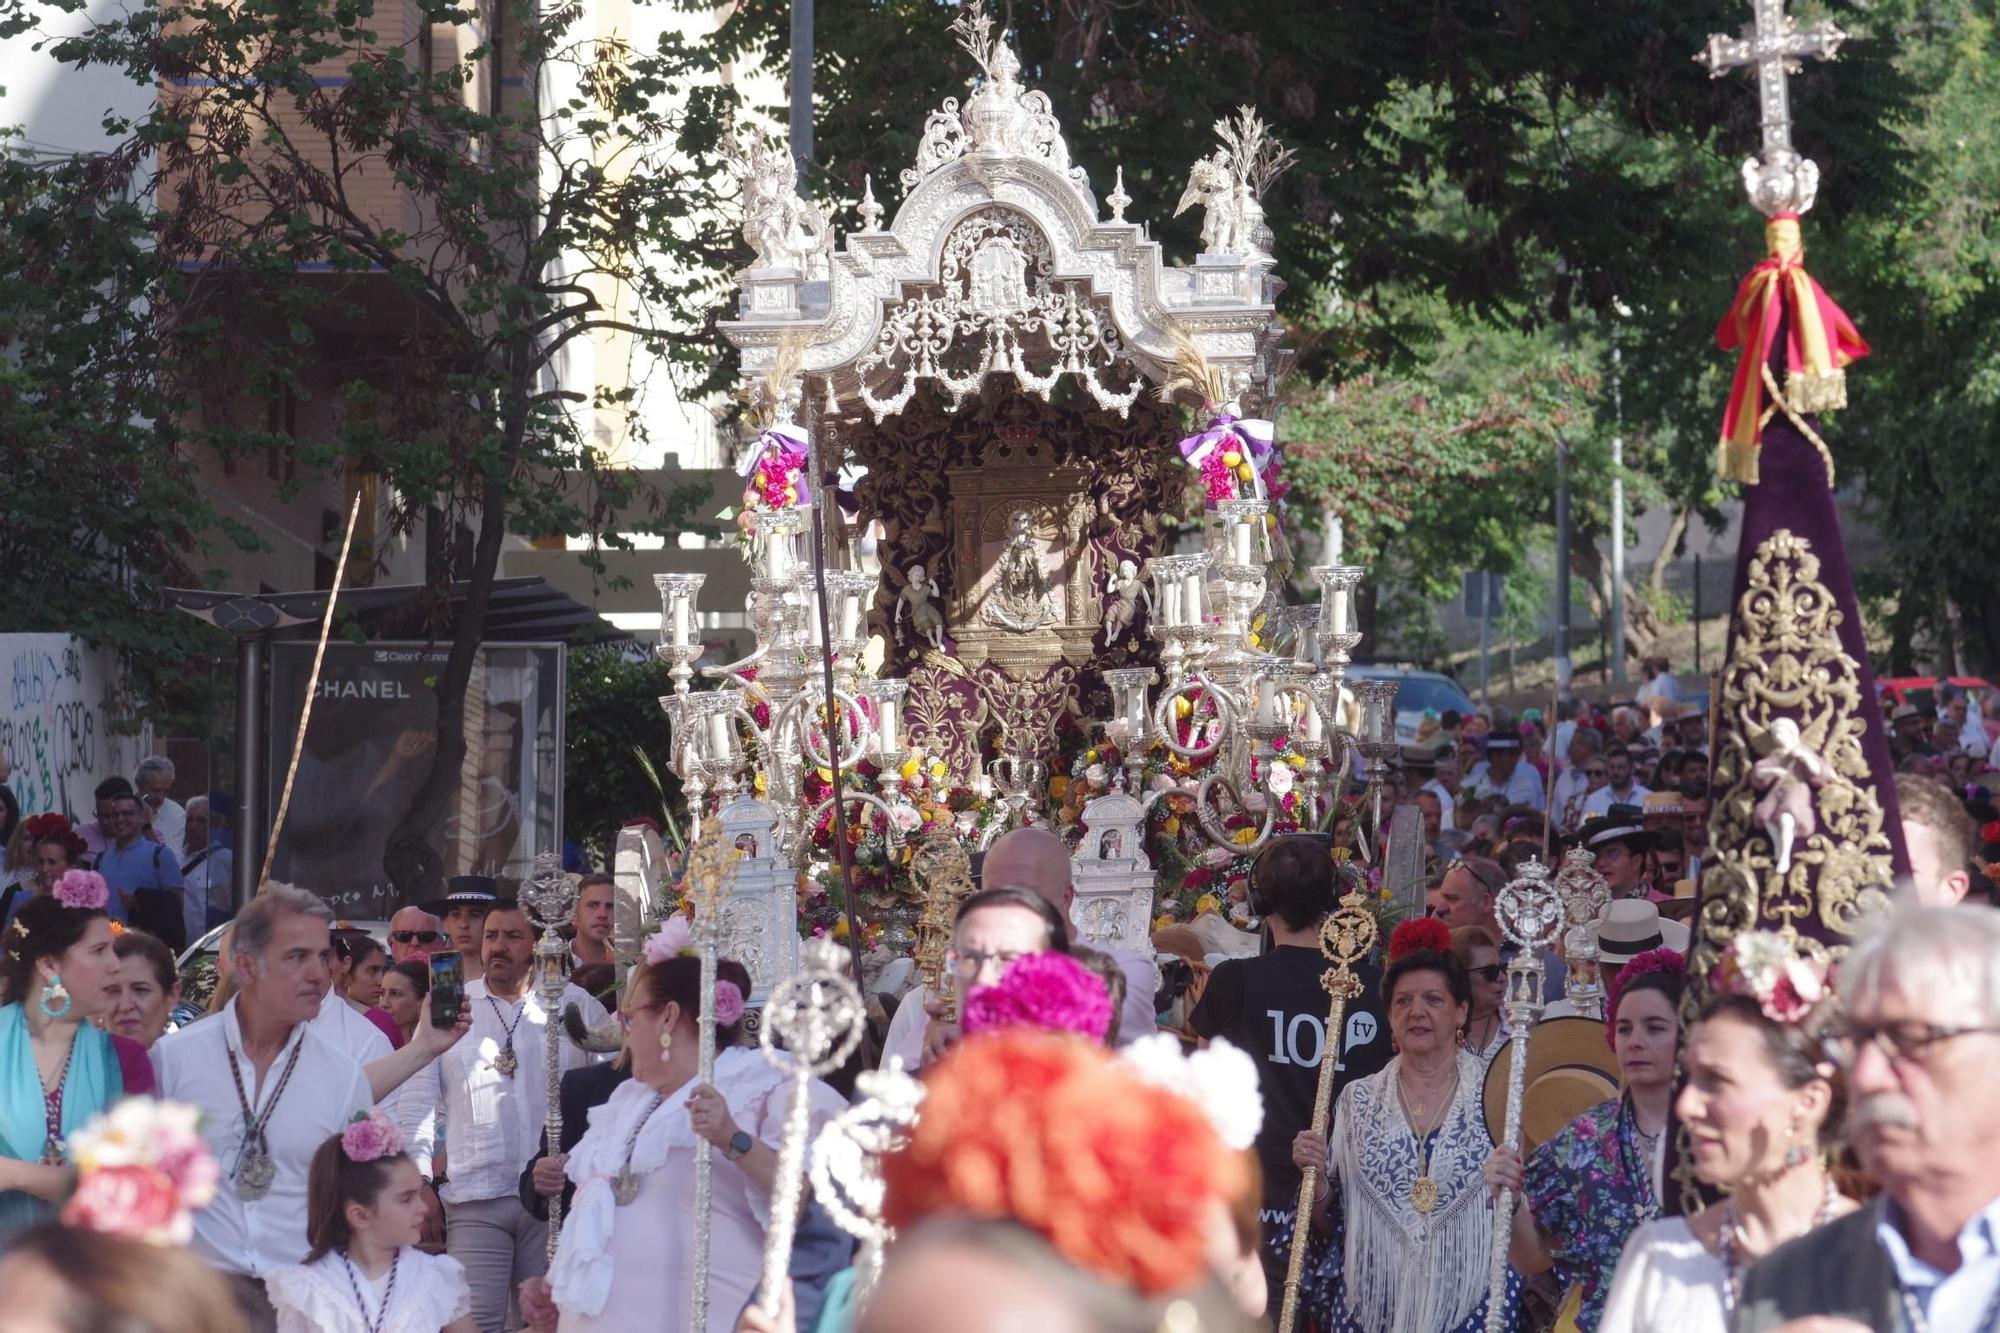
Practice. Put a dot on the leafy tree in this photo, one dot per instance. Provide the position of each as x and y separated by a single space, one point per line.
617 738
412 215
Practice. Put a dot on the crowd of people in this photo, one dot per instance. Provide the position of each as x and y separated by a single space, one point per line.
1099 1146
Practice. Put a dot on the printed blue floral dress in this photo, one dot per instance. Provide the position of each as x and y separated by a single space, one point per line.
1590 1187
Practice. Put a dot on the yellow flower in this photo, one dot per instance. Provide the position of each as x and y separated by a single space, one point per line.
1256 641
1162 921
938 770
1058 786
909 769
1243 837
1173 825
826 775
1295 759
1208 902
1181 706
839 931
1090 756
759 783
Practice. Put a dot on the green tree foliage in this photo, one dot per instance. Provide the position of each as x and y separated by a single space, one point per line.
549 185
616 739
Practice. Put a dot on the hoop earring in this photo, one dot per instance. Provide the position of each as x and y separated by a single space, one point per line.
53 989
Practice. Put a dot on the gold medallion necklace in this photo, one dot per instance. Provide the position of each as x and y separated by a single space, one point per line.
1424 1190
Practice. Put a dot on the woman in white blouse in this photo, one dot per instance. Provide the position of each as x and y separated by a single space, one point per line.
1756 1106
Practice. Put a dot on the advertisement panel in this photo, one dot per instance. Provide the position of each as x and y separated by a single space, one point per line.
373 730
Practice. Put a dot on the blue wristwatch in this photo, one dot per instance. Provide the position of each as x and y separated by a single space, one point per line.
740 1143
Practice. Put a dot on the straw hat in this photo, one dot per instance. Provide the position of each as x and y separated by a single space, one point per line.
1632 926
1570 1070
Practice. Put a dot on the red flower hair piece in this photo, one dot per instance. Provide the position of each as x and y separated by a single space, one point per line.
1424 932
1653 960
1054 1133
1990 831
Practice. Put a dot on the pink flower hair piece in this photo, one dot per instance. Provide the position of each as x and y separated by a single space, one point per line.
1049 991
371 1137
728 1004
83 889
1763 966
674 937
1653 960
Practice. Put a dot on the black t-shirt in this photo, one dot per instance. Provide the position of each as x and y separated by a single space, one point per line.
1274 1008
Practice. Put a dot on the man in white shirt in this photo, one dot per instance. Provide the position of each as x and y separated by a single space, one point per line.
168 822
1620 787
1038 861
490 1093
1573 783
1506 775
1420 762
206 870
271 1089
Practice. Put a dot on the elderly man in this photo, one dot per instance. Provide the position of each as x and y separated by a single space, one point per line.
271 1088
168 823
1573 784
1466 894
1919 1043
1939 837
207 868
1037 862
414 933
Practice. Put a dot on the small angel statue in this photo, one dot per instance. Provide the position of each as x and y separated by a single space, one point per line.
1788 777
1126 590
915 597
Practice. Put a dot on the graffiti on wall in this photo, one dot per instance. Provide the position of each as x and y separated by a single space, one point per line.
56 724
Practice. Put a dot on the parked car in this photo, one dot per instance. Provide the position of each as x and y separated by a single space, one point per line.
1416 691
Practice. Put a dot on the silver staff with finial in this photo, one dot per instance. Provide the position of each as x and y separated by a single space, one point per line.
550 897
1778 180
818 1013
847 1163
711 873
1585 895
1529 911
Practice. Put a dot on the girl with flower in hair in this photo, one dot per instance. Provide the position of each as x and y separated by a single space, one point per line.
1760 1106
364 1216
626 1256
1587 1189
1400 1194
56 1069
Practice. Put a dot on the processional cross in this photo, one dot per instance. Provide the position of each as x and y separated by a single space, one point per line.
1783 182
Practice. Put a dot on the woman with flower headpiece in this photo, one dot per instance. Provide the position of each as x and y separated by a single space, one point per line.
1587 1189
1410 1218
56 1070
1759 1105
49 849
625 1259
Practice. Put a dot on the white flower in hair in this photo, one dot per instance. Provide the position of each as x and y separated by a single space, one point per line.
1219 1078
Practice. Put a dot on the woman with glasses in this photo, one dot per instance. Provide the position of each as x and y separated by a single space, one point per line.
1486 1030
1597 1181
1759 1107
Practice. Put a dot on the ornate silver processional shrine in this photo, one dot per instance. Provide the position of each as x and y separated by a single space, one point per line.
991 357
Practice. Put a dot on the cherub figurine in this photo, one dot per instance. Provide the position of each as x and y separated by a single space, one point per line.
1127 590
1788 776
925 618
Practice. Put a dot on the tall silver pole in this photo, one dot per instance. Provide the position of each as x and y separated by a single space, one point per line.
1618 515
249 826
1562 528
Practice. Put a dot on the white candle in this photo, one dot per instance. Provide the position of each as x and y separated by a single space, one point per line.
982 787
777 556
850 615
1338 611
812 623
718 736
1336 538
1170 604
683 620
886 725
1315 728
1267 703
1239 542
1191 599
1135 710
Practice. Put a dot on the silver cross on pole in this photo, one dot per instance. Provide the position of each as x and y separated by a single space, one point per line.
1780 181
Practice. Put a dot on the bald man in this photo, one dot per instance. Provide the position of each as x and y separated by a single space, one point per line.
1038 861
414 931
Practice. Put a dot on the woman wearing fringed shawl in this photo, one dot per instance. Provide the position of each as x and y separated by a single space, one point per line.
1403 1205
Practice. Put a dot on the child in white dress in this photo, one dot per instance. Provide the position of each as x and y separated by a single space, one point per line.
365 1212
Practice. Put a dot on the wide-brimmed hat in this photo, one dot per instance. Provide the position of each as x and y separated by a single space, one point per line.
1621 823
1632 926
461 890
1904 712
1502 738
1422 756
1570 1070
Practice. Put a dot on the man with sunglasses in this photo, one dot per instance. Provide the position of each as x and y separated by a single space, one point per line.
1466 894
1918 1041
414 932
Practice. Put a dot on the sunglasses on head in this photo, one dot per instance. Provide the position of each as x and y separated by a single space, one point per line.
416 936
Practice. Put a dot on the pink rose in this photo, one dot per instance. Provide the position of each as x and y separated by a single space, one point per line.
371 1137
672 939
138 1202
728 1004
82 889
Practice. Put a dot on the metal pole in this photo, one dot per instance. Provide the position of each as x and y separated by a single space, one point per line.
1697 612
249 768
1562 537
802 84
1485 621
1617 519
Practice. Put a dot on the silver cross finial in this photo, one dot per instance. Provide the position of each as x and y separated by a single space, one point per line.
1779 181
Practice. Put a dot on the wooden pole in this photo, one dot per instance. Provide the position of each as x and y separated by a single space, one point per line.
312 688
